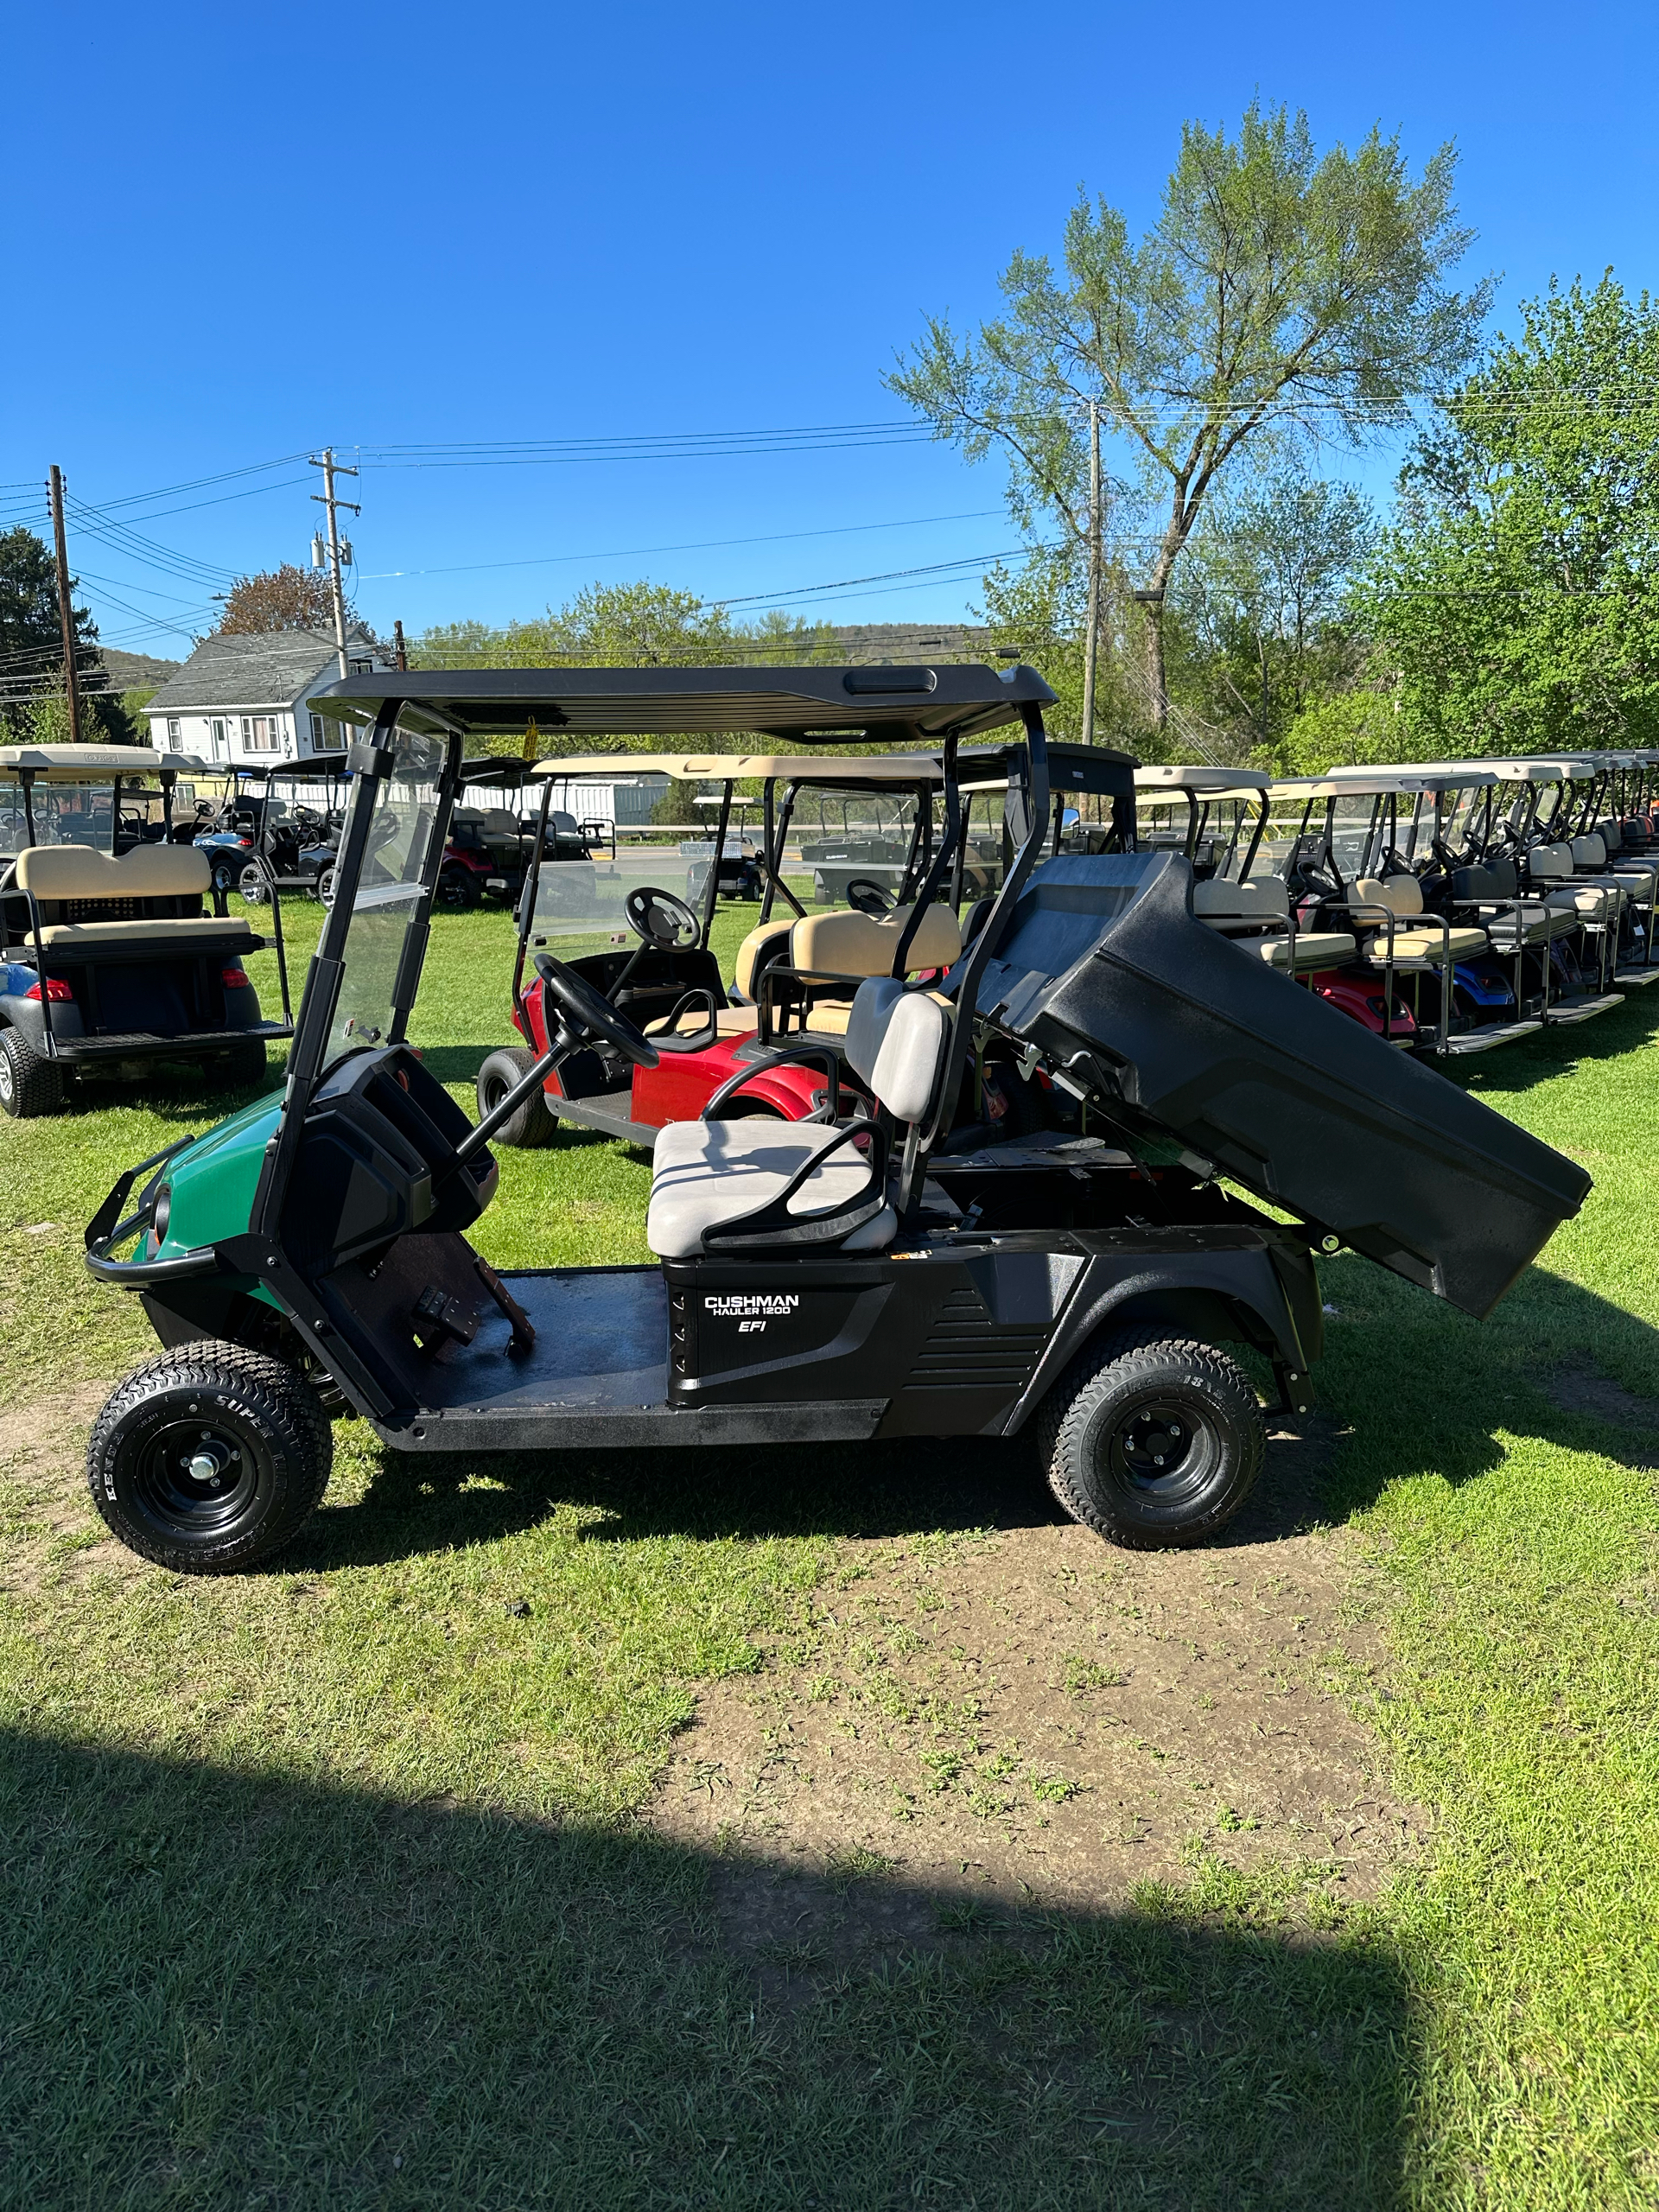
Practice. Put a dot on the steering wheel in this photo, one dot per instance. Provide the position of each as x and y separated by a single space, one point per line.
584 1008
868 898
660 918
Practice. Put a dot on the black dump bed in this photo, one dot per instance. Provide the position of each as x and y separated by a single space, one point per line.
1182 1033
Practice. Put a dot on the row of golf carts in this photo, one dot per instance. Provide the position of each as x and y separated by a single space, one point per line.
975 1151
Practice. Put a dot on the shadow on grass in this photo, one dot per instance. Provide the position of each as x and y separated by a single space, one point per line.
222 1989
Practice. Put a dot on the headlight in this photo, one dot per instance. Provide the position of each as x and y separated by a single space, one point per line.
159 1218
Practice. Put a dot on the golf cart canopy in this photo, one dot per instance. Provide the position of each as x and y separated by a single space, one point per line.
977 769
1206 782
805 705
95 764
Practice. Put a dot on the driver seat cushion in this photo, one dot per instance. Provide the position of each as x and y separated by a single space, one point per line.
710 1174
705 1174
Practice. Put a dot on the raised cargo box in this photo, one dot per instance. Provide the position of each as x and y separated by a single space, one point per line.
1178 1032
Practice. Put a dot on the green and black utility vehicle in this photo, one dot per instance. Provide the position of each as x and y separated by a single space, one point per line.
918 1269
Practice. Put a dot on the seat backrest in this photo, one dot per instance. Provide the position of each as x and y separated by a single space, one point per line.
1550 863
896 1042
1219 901
852 943
1401 894
1589 852
767 940
147 872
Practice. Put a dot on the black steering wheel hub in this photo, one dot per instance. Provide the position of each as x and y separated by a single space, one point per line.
659 918
590 1014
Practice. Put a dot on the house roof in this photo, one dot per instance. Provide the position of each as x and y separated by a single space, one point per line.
268 668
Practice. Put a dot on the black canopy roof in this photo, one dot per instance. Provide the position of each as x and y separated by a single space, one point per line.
803 705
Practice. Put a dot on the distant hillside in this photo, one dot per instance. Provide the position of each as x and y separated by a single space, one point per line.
136 672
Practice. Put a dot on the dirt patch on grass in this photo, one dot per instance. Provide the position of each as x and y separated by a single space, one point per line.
45 1516
1581 1390
1032 1714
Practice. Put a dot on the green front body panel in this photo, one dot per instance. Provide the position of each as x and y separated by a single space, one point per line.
213 1182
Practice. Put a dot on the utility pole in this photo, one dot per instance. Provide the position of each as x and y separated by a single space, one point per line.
398 644
1091 642
325 499
66 612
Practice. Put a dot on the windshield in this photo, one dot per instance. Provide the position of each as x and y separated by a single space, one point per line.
389 897
580 902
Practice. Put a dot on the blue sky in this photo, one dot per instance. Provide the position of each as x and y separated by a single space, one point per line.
244 232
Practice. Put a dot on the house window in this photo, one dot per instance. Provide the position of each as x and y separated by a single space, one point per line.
260 734
326 736
359 667
173 737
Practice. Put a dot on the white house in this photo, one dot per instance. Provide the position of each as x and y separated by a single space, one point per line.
244 698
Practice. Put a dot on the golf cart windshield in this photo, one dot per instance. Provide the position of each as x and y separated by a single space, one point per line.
389 905
581 905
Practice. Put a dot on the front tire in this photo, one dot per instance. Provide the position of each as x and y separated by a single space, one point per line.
254 884
30 1086
1153 1442
209 1458
532 1125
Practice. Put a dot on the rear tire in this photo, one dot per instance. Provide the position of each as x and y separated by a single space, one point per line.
244 1064
1153 1442
458 890
532 1125
209 1458
30 1087
326 886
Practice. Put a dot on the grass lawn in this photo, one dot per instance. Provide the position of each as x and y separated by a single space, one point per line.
320 1886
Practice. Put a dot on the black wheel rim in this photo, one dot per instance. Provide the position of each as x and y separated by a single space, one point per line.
194 1478
1160 1450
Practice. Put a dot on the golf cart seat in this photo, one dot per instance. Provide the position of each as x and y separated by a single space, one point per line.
1256 916
1551 868
1636 878
1490 890
845 943
84 897
1403 897
734 1184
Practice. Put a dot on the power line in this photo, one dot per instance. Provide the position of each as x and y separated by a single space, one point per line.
690 545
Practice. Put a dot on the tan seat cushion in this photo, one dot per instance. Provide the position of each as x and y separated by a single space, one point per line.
828 1017
1314 949
147 872
748 953
165 936
1425 944
851 943
1220 902
1401 894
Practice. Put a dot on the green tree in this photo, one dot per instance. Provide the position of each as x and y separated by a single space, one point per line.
31 648
1518 591
1259 603
1280 292
1041 608
625 626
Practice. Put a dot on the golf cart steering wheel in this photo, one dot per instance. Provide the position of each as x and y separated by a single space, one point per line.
868 898
660 918
584 1008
